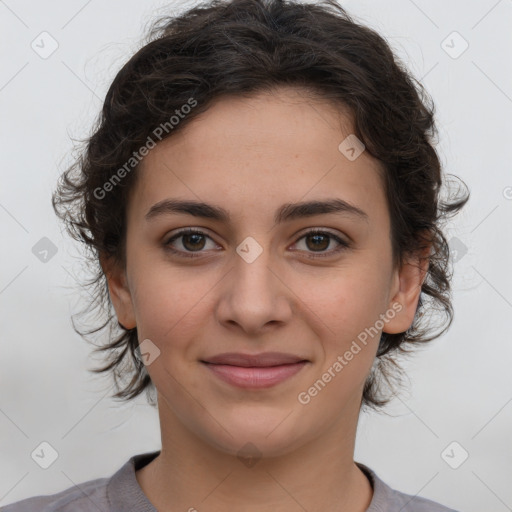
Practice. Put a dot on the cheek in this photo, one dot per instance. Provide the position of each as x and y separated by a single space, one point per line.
348 341
169 303
347 302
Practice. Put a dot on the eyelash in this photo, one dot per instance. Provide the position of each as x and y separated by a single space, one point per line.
190 231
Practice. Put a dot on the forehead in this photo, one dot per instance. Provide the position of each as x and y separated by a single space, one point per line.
250 154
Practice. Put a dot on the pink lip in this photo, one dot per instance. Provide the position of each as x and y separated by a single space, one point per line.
262 359
254 371
255 376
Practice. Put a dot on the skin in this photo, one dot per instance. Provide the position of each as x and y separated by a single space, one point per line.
250 156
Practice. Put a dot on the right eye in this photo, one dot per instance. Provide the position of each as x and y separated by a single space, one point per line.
192 241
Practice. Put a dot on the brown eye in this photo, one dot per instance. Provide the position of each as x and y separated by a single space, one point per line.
193 241
317 241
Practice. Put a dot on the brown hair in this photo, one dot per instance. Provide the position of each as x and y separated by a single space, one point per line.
241 47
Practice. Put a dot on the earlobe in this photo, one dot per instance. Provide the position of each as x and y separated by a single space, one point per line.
119 292
409 281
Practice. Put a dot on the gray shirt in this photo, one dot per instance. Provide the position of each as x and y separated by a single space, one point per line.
121 493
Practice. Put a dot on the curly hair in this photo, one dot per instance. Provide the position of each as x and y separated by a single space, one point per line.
241 47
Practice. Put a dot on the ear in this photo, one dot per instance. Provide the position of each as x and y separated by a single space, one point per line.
119 292
406 291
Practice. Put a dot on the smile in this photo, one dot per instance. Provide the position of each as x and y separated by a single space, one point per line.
254 377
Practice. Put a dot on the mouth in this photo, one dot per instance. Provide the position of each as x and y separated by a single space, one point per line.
254 371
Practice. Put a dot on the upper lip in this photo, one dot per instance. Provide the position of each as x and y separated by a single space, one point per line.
263 359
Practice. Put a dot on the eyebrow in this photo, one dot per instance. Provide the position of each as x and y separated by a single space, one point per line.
287 212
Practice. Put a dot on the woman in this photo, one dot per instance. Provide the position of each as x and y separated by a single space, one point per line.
261 198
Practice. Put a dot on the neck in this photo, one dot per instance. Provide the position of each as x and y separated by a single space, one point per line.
319 475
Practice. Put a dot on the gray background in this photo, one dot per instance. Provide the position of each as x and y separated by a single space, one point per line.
459 386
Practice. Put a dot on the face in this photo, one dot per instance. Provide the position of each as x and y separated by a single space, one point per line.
259 280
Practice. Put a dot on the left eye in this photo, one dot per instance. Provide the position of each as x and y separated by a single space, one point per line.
193 241
321 240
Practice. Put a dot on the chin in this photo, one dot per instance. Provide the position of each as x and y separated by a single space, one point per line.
257 436
250 448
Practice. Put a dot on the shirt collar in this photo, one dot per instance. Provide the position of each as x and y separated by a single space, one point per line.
125 494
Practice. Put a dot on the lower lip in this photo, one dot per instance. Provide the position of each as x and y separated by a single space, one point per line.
255 377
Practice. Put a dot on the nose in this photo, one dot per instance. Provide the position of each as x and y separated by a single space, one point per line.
254 295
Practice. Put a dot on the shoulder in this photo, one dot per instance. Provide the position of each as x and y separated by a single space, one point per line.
410 503
121 491
87 496
386 499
